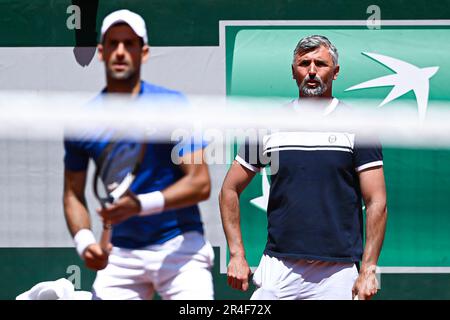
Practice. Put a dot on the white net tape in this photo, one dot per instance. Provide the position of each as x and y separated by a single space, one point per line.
47 116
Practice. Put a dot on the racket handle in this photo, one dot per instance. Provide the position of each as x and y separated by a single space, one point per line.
105 238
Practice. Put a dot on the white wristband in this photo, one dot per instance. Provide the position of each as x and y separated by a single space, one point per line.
83 239
151 203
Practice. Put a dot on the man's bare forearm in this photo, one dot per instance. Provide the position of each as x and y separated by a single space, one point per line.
376 217
229 210
75 208
76 214
193 187
187 191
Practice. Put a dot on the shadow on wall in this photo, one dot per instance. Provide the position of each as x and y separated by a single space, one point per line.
85 34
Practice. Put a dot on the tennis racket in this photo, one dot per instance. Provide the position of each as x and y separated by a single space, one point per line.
116 170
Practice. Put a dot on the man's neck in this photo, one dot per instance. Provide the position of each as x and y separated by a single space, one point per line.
121 86
317 101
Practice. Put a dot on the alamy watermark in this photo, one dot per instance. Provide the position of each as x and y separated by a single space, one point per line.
74 20
374 20
222 146
74 272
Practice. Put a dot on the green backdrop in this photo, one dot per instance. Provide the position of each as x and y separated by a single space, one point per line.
257 63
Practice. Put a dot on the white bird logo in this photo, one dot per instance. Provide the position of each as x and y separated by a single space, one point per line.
262 201
407 77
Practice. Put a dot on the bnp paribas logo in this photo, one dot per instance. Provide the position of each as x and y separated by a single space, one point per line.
407 77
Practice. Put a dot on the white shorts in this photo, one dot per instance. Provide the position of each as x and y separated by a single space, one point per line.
287 279
177 269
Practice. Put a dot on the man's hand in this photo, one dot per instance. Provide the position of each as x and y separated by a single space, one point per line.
238 273
121 210
366 286
95 258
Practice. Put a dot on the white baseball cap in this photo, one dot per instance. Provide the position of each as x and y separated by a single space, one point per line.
135 21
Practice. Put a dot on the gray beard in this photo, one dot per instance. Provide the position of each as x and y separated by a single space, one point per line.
313 92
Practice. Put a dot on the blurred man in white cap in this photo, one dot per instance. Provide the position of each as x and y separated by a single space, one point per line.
157 238
123 48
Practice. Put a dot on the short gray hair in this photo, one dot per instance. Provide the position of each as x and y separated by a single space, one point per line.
310 43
